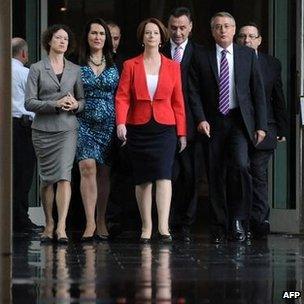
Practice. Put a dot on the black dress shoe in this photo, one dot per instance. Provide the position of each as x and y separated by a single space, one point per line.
143 240
218 238
237 231
185 235
101 238
165 238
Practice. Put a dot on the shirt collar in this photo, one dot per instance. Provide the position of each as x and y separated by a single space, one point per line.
17 61
174 45
229 49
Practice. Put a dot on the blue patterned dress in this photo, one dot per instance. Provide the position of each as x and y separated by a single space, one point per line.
97 121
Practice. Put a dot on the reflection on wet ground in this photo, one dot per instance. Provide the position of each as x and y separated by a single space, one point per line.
126 272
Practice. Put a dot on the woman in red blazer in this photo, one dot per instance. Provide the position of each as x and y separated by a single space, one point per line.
150 116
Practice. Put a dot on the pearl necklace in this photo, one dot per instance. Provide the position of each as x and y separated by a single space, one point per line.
102 61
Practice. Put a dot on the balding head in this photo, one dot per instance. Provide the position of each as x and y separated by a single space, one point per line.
20 49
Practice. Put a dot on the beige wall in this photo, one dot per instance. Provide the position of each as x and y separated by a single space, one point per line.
5 151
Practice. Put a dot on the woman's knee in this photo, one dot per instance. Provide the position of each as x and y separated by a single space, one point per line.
87 168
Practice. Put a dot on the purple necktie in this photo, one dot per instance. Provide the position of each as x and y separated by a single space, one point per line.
177 56
224 84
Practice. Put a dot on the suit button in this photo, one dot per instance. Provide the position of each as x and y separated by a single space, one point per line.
58 90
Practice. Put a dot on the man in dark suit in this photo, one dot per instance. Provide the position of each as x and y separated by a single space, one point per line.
228 102
184 198
250 36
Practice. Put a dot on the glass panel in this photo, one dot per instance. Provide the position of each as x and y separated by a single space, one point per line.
284 49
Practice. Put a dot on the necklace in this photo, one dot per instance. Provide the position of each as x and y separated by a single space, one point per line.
102 61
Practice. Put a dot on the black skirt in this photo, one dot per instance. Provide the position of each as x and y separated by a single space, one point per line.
151 149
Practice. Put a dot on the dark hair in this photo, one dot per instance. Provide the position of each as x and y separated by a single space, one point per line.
252 24
48 35
162 29
112 24
84 51
181 11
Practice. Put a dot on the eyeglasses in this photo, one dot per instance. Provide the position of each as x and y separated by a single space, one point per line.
219 27
61 37
252 37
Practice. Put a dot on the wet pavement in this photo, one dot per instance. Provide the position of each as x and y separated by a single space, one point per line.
127 272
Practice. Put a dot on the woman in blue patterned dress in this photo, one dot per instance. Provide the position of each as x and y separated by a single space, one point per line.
97 125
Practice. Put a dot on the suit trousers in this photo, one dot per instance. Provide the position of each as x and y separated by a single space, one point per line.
23 170
184 192
230 194
259 160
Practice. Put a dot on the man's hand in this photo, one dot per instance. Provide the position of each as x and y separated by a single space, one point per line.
281 138
204 128
183 143
259 136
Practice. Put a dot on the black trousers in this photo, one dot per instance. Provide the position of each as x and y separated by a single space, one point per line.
184 192
259 160
23 170
230 184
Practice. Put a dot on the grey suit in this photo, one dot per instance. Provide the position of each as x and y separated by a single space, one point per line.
43 90
54 131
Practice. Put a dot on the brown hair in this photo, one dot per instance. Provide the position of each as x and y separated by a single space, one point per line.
48 35
162 29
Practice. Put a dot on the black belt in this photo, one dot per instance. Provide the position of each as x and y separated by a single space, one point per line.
24 120
232 112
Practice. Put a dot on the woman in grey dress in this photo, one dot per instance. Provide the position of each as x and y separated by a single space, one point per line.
54 92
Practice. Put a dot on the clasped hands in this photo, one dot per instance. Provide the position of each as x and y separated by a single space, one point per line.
67 103
122 135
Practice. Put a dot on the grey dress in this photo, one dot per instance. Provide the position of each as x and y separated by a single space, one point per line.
54 130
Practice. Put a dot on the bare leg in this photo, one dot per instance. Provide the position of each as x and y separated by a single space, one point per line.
163 202
88 189
47 198
63 197
103 188
143 194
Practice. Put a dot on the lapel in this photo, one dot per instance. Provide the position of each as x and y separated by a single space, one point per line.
167 49
140 79
187 54
236 63
50 71
213 64
66 71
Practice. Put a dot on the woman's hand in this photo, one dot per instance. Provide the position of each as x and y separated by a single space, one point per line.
122 132
67 103
182 143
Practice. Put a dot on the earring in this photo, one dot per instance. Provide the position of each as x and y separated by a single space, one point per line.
160 45
143 45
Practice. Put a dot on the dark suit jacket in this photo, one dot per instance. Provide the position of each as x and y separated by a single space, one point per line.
275 102
133 103
185 65
204 88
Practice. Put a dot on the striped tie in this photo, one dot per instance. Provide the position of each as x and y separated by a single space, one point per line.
224 84
177 56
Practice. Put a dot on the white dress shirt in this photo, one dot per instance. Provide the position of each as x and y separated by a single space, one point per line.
229 55
152 81
174 45
19 78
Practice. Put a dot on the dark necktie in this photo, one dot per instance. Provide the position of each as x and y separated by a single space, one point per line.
224 84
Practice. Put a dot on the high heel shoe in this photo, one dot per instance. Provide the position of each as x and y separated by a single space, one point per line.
46 239
101 237
143 240
165 238
61 240
87 239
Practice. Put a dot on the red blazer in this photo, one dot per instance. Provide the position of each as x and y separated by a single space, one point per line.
133 104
